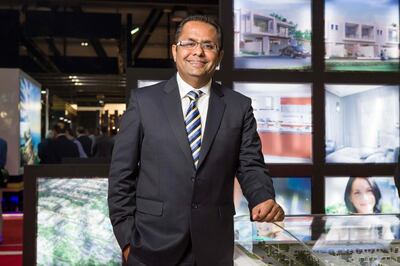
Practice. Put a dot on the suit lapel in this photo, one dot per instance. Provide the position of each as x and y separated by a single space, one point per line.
173 109
216 108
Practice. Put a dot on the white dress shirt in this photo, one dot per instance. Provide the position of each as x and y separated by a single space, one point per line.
202 102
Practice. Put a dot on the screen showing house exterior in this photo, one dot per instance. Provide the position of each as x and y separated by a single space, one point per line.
362 123
272 34
284 120
362 35
73 226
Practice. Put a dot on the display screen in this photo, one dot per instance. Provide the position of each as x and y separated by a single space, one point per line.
284 120
30 117
73 225
362 35
362 123
361 195
272 34
293 194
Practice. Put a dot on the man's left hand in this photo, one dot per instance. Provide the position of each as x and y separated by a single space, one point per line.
268 211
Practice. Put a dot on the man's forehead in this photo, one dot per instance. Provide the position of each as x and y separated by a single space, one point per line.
194 25
194 28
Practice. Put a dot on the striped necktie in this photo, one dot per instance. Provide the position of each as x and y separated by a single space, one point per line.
193 125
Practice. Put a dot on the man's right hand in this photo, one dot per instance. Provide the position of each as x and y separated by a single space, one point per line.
126 252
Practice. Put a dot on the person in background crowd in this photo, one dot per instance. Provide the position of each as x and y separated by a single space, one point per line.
397 174
3 160
3 153
103 145
85 140
94 133
44 147
71 137
61 147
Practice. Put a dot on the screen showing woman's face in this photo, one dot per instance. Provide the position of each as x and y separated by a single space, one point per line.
362 196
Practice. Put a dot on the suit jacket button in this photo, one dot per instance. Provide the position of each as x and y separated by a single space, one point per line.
192 178
195 206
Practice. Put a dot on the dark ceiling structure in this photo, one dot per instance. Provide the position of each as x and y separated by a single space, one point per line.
80 49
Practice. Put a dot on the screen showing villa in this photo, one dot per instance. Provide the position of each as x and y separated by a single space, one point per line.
284 120
272 34
361 195
362 35
362 123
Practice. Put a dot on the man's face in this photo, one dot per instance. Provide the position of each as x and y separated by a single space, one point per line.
197 65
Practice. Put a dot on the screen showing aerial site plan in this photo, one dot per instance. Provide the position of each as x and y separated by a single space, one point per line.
73 227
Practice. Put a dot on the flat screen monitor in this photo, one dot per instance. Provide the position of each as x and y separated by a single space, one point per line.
284 119
66 216
272 34
30 120
361 195
362 36
362 123
292 193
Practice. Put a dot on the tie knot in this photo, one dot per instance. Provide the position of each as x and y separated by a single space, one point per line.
194 94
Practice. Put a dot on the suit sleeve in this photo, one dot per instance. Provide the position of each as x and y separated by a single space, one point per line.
252 172
123 174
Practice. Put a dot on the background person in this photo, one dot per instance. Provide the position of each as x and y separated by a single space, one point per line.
103 145
85 140
3 160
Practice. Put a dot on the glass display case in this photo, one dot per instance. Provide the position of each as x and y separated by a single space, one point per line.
320 240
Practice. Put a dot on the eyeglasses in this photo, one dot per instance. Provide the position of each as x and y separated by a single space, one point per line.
191 44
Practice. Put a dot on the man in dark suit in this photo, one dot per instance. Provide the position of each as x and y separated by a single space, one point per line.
60 147
180 145
3 160
3 153
85 141
103 144
397 172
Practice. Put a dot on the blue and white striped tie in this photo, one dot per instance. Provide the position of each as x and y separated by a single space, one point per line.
193 125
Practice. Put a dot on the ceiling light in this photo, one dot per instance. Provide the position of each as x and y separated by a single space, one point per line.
134 30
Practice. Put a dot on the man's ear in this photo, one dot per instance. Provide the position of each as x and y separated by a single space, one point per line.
173 50
220 56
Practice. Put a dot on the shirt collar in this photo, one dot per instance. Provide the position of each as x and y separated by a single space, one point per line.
184 87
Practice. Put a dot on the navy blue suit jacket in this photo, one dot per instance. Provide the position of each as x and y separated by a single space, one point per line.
3 153
158 201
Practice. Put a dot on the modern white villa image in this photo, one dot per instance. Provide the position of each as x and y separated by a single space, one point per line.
362 35
269 34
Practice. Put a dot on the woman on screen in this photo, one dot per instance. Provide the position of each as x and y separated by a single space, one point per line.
362 196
